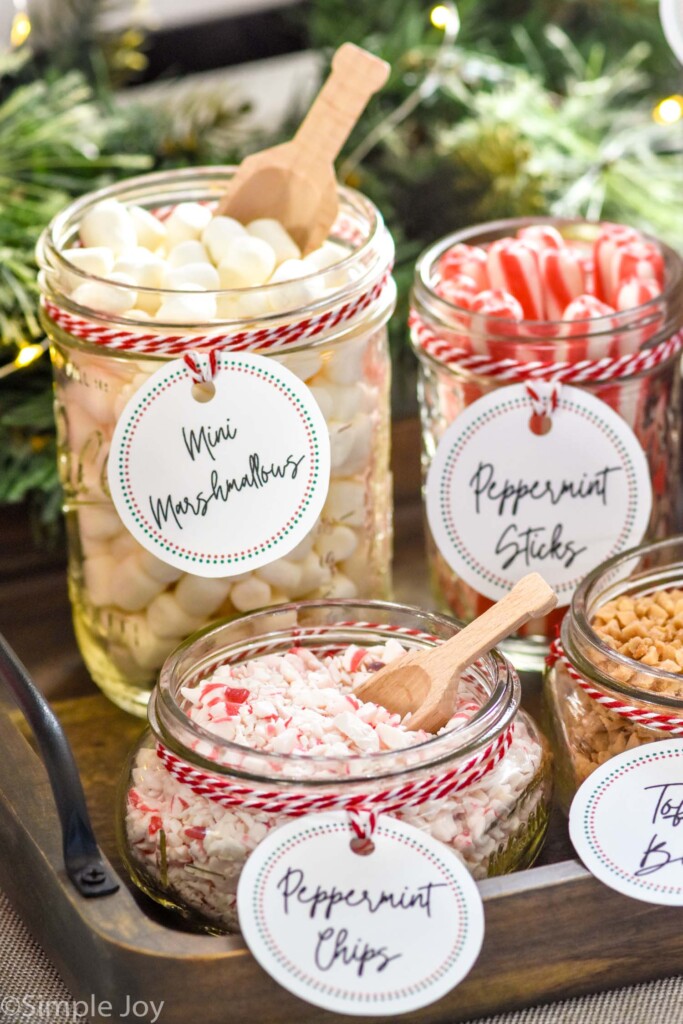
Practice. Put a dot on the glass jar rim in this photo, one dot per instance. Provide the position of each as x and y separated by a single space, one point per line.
539 332
578 634
376 249
176 730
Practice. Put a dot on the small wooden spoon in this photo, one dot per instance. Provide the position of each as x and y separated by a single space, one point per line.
295 182
425 682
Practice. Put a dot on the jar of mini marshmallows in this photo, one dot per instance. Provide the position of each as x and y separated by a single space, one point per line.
616 674
255 721
139 273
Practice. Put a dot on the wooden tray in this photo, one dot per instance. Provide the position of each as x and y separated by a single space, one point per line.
551 932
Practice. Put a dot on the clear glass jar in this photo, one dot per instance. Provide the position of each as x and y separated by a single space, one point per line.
649 401
585 731
186 850
130 610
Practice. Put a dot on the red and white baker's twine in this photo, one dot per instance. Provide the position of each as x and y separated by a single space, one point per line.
651 719
362 808
202 367
263 339
515 371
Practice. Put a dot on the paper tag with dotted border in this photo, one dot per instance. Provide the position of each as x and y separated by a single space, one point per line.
626 823
373 935
221 487
503 501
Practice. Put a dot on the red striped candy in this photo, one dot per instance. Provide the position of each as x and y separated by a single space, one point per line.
513 267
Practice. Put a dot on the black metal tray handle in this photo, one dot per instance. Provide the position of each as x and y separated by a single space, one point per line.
82 858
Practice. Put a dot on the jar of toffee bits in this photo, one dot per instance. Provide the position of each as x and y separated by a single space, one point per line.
142 272
254 721
615 676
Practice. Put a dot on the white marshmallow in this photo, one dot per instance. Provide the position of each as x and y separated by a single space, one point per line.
345 503
249 262
150 231
346 364
186 222
351 399
99 522
313 575
147 272
123 545
199 596
138 314
327 255
341 586
297 288
272 232
283 574
192 306
341 444
357 436
243 305
202 274
108 224
304 547
250 594
190 251
304 365
132 589
324 399
219 235
97 261
105 298
336 544
97 576
159 570
167 619
149 650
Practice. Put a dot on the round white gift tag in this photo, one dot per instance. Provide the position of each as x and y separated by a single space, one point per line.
503 500
220 487
372 935
626 823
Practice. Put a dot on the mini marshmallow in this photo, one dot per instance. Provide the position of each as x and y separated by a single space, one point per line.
282 573
272 232
132 589
358 446
97 262
149 650
250 594
218 236
249 262
167 619
345 503
97 576
352 399
324 399
199 596
313 575
301 288
340 586
336 544
186 222
158 570
190 251
341 444
327 255
304 547
108 224
105 298
150 231
123 545
243 305
192 306
201 274
99 522
304 365
346 363
146 272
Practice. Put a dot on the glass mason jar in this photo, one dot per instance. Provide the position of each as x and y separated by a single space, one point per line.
600 700
130 609
186 850
649 401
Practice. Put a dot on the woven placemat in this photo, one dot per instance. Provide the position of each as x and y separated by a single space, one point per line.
31 991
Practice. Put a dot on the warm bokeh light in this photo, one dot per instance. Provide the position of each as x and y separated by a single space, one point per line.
28 354
669 111
445 17
21 28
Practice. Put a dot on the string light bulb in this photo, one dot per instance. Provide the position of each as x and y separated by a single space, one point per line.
669 110
28 354
21 25
446 17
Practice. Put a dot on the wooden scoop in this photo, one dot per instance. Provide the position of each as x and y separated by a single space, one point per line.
295 182
425 682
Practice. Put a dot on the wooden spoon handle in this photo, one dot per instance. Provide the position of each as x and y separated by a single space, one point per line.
530 597
355 76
